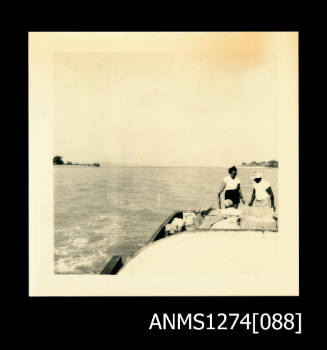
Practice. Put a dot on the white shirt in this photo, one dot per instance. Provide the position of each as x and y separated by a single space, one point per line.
260 189
231 184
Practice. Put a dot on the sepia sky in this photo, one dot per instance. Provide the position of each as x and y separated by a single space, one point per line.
173 99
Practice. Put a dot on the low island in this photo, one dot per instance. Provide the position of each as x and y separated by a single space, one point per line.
269 164
57 160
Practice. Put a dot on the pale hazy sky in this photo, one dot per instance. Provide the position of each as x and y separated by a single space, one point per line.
185 107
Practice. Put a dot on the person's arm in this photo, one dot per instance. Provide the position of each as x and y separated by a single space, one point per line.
272 199
223 185
241 195
252 199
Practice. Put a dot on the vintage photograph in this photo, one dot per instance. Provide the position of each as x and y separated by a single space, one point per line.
166 157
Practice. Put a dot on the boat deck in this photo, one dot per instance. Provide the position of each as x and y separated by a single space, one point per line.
190 226
207 253
217 220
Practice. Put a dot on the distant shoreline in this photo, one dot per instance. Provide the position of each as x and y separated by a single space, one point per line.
57 160
86 165
164 166
248 167
266 164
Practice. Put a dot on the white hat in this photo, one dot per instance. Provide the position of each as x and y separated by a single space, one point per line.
257 175
228 203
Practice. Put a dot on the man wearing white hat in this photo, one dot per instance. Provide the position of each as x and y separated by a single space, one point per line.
262 195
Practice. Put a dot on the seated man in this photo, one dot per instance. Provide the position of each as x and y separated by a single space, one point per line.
262 195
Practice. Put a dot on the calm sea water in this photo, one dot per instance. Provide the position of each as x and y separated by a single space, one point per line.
106 211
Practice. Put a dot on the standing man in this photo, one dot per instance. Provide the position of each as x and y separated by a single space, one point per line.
232 186
262 194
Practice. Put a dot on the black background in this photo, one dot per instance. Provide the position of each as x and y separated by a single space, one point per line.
86 320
